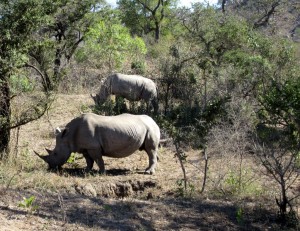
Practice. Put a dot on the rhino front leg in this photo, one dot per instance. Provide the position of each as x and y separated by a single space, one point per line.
97 157
152 154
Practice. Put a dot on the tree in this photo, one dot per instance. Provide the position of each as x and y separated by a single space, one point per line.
145 16
57 41
39 38
18 20
265 14
108 43
279 157
133 17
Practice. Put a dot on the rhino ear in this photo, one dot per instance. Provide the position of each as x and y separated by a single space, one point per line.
65 132
57 131
93 97
61 133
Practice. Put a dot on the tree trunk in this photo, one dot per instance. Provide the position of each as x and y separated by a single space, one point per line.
223 5
205 170
283 203
157 31
167 98
4 116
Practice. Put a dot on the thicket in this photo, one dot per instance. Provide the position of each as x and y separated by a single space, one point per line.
228 82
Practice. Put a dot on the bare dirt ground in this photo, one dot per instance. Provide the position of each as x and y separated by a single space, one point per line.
124 199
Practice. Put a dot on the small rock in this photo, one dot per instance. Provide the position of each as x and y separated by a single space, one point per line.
87 190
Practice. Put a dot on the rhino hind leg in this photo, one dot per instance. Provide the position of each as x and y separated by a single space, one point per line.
96 156
152 154
89 162
155 106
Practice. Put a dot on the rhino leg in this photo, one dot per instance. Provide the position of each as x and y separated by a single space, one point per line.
89 162
152 154
155 105
97 157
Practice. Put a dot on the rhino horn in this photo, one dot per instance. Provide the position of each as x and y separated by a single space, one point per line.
45 158
49 151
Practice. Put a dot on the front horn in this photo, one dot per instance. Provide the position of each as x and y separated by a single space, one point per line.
49 151
45 158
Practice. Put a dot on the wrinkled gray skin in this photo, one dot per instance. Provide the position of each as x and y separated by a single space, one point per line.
131 87
96 136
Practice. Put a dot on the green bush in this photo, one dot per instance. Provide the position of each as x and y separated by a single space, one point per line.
21 83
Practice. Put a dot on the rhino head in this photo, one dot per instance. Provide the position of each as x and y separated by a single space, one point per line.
103 94
94 97
60 154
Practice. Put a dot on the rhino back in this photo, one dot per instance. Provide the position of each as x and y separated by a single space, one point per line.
115 136
129 86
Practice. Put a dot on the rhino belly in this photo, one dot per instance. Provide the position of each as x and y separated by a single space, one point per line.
119 148
127 89
120 152
121 137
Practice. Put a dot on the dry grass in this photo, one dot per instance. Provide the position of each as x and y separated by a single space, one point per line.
125 199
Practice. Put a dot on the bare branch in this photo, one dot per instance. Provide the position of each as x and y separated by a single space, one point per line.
264 20
37 70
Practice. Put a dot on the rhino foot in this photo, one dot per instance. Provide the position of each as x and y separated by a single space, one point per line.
102 172
149 171
87 170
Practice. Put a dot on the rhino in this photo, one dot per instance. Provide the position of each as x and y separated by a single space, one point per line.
96 136
131 87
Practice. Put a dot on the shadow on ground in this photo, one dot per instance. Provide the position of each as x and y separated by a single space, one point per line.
130 214
80 172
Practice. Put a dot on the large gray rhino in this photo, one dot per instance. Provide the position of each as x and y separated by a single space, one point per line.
131 87
96 136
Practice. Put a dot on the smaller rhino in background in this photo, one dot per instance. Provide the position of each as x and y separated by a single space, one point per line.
131 87
96 136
